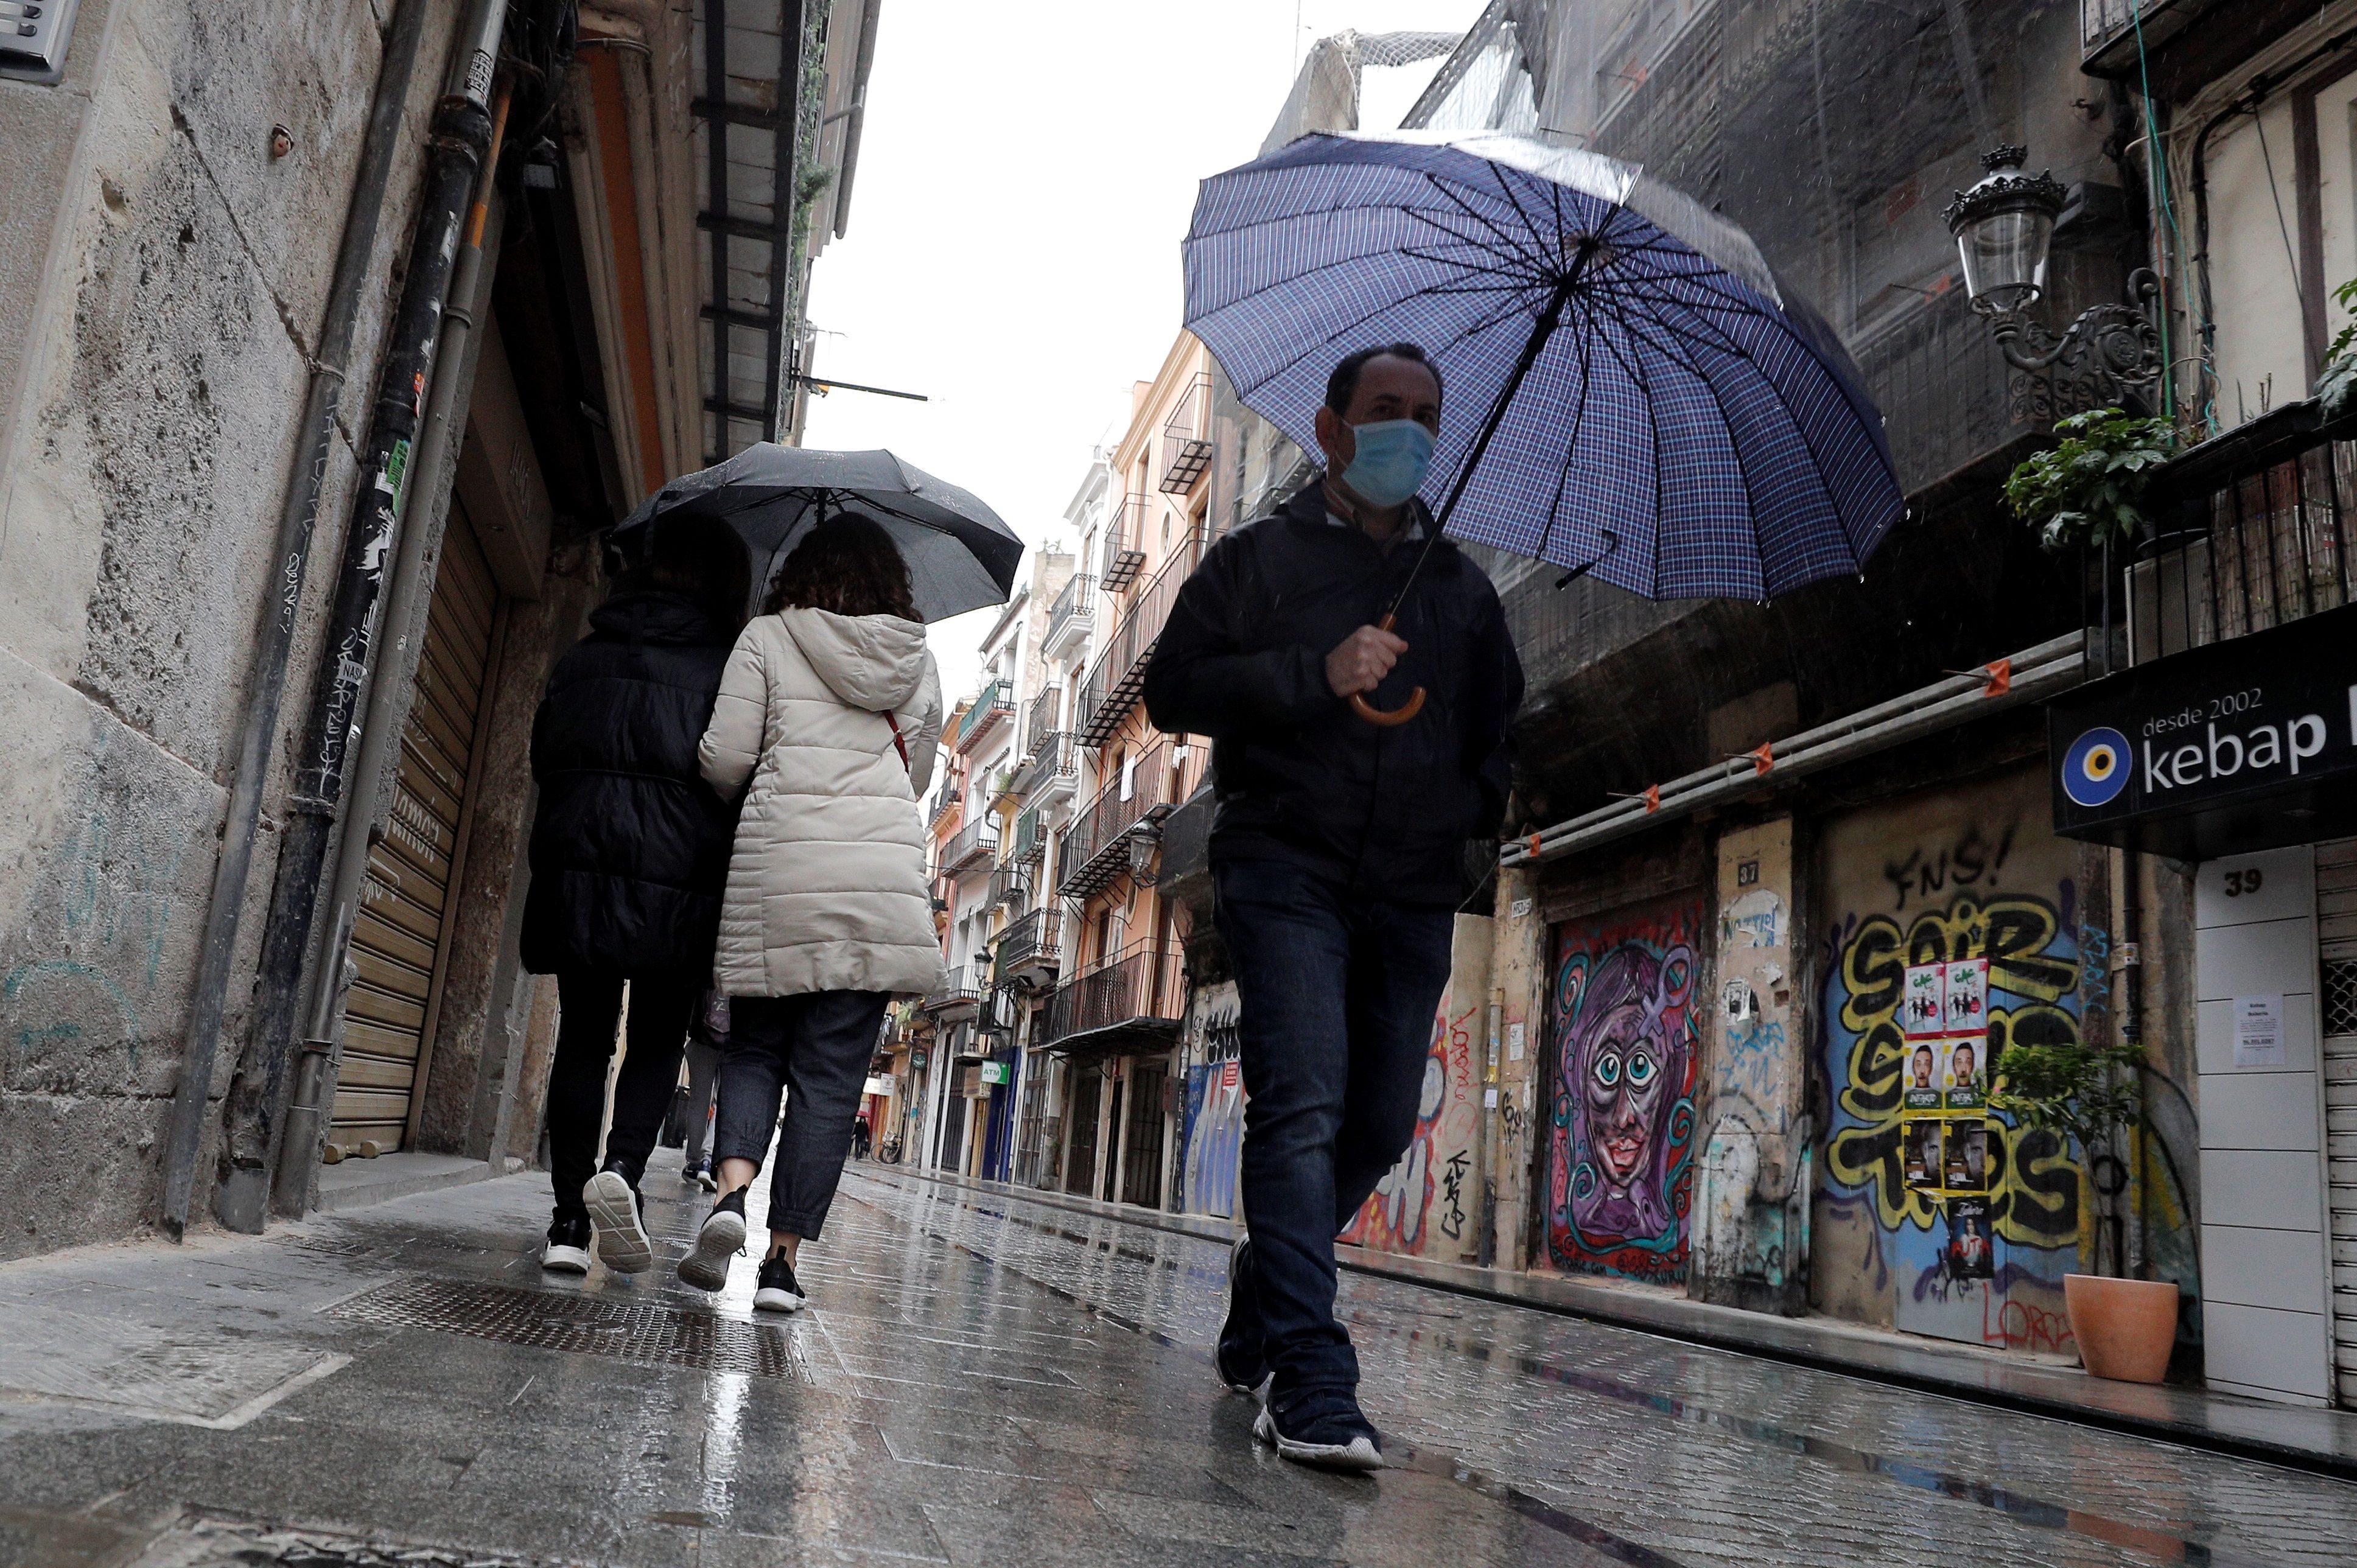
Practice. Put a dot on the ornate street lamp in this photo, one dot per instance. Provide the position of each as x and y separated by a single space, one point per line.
2005 229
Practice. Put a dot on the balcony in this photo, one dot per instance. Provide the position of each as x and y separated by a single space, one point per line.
957 997
1134 1003
1072 619
1120 672
1096 848
1046 712
1187 438
1124 543
944 809
2253 532
976 846
1030 951
995 704
1051 772
1010 884
1030 839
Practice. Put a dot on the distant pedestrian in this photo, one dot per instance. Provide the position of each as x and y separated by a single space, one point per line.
707 1036
629 854
863 1138
1338 854
831 708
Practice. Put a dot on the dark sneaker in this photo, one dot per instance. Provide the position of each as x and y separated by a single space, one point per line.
566 1250
1242 1358
719 1241
779 1290
687 1175
703 1179
613 1206
1321 1427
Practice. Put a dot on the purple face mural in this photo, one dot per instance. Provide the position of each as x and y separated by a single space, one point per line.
1621 1149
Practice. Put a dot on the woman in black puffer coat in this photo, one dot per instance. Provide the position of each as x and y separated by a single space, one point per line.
629 857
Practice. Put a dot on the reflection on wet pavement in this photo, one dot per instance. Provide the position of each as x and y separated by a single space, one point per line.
982 1378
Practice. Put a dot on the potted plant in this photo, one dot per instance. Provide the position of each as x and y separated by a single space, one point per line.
2089 1096
2090 486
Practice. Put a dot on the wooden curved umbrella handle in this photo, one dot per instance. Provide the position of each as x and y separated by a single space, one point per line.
1396 716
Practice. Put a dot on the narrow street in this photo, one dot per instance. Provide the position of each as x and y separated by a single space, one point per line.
979 1378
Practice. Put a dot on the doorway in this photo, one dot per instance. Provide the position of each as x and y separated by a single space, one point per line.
401 932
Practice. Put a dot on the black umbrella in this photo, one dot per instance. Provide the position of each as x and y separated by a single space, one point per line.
961 556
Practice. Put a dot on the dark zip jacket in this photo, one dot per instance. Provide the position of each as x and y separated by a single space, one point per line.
629 846
1299 777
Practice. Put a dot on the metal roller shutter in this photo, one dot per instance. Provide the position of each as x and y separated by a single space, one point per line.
2336 927
401 938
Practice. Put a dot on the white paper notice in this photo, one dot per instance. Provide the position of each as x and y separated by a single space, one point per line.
1514 1038
2259 1031
1490 1100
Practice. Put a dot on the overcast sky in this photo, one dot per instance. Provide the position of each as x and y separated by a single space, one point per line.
1024 177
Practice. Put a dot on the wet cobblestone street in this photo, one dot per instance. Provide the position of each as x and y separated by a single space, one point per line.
981 1378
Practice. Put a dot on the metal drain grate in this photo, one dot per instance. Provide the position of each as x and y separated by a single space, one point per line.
202 1541
650 1335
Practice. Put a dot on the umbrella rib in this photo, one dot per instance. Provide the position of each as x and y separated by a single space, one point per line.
1571 447
1329 342
1752 505
1538 261
1653 428
1505 250
1522 274
1530 222
1816 462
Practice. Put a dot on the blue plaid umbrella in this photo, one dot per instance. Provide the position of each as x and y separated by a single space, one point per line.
1660 410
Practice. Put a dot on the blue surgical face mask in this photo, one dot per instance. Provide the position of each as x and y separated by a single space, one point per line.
1392 461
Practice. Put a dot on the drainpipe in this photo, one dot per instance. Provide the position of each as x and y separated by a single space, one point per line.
462 133
379 732
298 512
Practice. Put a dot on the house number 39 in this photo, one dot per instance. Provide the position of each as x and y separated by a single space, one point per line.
2240 881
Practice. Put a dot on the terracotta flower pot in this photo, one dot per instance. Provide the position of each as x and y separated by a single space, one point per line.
2125 1329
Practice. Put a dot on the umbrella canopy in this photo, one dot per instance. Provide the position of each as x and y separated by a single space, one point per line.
1649 402
961 556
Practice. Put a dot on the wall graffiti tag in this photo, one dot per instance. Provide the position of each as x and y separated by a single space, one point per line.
1625 1037
1426 1187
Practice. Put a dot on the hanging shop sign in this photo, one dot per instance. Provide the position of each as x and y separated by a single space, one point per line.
2240 746
994 1072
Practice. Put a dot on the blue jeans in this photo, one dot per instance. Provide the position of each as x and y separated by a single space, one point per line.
1337 996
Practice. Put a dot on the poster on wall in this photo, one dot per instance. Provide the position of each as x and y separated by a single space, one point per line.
1923 1153
1965 1156
1925 1002
1962 1076
1971 1251
1964 987
1622 1059
1923 1085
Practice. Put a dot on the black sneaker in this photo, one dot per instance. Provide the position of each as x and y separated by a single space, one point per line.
1242 1358
779 1290
1322 1427
703 1179
566 1250
720 1239
612 1200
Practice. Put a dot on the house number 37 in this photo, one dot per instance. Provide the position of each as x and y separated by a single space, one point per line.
2240 881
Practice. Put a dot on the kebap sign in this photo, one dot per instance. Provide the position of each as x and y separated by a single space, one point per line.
2239 745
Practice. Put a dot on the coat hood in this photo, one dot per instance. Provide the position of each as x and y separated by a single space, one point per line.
877 662
666 619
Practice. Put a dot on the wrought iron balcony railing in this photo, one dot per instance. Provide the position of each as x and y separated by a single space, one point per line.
975 844
1056 761
957 992
1046 712
996 702
1124 543
1073 612
1120 671
1029 948
1187 438
1138 996
1093 850
2256 530
1030 839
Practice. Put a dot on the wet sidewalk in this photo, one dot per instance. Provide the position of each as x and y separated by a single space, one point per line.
981 1380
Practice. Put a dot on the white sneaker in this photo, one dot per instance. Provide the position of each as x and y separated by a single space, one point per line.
566 1250
613 1204
716 1244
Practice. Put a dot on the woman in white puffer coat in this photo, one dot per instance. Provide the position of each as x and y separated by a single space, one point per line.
831 708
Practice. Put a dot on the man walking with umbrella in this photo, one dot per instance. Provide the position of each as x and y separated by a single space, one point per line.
1338 852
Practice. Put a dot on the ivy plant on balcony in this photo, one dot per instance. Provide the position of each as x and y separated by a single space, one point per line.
2090 486
2336 380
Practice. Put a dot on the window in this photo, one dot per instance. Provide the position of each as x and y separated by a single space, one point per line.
1128 775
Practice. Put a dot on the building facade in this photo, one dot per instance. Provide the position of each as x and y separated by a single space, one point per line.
341 336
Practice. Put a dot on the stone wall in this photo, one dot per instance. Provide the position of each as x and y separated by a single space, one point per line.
156 371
